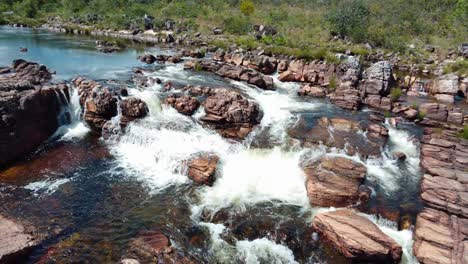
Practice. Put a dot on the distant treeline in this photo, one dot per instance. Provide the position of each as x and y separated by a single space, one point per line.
388 24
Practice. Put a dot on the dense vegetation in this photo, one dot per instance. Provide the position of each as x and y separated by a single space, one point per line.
301 24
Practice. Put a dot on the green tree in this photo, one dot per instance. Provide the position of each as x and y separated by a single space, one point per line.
349 18
247 7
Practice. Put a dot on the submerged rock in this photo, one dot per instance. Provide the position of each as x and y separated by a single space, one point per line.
154 247
356 237
15 238
231 114
343 134
203 169
336 182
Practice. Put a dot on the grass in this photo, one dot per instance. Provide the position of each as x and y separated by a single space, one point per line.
421 115
197 67
332 86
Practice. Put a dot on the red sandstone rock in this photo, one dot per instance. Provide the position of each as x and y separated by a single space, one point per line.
356 237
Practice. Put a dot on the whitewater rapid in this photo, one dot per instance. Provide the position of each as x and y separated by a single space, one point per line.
155 148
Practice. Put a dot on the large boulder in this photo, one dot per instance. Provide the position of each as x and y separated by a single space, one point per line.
356 237
445 84
310 90
132 108
98 102
378 79
336 181
202 169
230 113
184 104
29 108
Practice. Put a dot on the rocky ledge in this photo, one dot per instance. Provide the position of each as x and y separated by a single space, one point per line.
356 237
29 106
441 234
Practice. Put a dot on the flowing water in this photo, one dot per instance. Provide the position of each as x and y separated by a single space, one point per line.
94 195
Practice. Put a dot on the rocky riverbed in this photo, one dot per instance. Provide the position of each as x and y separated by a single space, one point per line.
229 156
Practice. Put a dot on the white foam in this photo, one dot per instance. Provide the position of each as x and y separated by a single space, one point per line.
263 251
48 186
404 238
252 176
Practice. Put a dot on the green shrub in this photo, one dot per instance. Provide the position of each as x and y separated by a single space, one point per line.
237 25
387 114
197 67
247 7
246 42
395 94
349 18
332 85
464 133
459 67
421 115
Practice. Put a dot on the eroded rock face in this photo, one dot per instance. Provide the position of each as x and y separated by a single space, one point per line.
445 87
184 104
356 237
231 114
335 181
343 134
378 79
15 238
28 109
440 238
202 169
347 95
147 58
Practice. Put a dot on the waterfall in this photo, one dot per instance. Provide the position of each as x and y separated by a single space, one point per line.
70 124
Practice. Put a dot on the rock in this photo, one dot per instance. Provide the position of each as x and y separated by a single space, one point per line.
445 84
339 133
154 247
131 109
203 169
356 237
232 115
218 31
185 105
455 116
445 98
29 109
313 91
334 182
15 238
106 46
410 114
376 101
378 79
23 49
98 102
399 156
147 58
434 111
347 99
440 238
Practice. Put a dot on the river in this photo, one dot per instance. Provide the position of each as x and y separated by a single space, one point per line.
95 195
